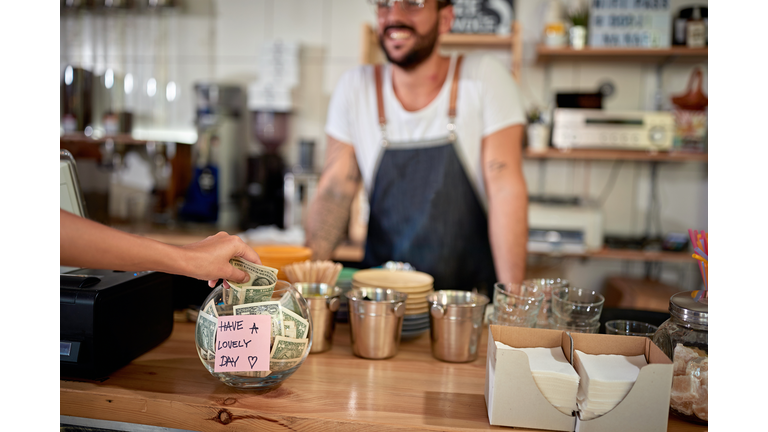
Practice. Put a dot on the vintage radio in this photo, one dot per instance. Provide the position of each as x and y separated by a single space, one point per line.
575 128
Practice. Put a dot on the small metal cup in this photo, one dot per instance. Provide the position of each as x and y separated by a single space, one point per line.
323 303
456 324
375 321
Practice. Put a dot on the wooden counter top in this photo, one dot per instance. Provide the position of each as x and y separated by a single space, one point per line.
335 391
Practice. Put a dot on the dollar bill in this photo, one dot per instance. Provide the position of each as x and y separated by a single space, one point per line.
243 295
259 275
260 285
287 301
234 295
253 374
204 354
245 374
288 348
286 353
271 308
301 325
205 332
289 327
210 309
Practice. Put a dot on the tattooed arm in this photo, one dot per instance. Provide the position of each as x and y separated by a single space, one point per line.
328 219
507 202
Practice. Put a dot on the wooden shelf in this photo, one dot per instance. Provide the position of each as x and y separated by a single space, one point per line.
546 54
476 39
627 255
634 155
81 138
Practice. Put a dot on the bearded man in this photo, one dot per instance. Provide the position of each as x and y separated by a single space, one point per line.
436 141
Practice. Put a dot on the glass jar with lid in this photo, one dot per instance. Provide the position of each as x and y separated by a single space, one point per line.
684 339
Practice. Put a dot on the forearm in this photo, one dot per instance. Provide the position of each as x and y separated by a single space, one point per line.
508 232
328 223
85 243
507 203
328 220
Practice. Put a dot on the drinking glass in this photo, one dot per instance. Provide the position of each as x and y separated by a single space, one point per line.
576 306
630 328
574 327
516 305
547 285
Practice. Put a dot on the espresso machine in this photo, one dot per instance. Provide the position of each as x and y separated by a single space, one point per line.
217 178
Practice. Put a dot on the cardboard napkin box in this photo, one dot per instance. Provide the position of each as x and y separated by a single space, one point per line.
513 398
646 407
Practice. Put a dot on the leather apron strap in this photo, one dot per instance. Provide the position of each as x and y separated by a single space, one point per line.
380 98
454 89
377 72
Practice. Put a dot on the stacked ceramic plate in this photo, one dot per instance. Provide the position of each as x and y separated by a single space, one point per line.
416 284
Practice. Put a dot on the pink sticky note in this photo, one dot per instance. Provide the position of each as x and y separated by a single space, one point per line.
242 343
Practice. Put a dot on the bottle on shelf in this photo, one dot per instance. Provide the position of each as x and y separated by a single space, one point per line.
696 30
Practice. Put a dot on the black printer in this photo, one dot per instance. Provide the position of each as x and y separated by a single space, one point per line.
109 318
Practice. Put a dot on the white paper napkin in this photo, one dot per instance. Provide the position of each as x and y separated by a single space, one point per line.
554 376
605 381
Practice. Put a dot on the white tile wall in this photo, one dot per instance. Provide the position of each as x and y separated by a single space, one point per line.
299 21
218 40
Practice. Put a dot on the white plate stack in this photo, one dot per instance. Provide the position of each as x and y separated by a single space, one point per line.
417 285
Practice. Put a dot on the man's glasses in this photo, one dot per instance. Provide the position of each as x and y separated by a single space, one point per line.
410 6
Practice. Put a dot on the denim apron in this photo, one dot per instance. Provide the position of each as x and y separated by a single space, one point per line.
424 210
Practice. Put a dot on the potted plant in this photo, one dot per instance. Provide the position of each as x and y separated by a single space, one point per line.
537 130
579 18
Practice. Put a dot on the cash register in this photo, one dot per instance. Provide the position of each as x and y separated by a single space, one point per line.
107 318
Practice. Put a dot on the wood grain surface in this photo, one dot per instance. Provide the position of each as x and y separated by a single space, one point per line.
331 391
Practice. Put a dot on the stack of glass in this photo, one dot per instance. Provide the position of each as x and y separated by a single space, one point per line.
576 310
516 305
546 285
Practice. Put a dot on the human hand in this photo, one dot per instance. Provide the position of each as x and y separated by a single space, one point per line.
209 259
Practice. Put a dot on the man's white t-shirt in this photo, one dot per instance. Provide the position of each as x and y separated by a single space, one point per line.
487 102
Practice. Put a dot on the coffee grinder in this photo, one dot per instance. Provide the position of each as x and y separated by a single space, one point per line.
266 172
269 180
